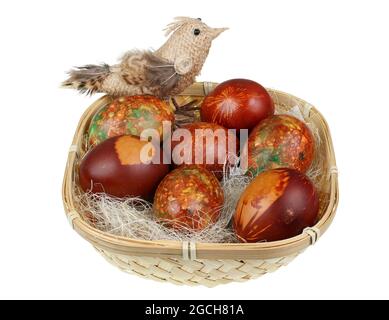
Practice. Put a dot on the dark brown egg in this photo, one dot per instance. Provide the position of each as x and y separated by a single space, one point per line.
122 166
208 145
189 197
278 204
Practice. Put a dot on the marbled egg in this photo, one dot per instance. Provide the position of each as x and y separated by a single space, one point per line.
129 115
189 197
208 145
279 141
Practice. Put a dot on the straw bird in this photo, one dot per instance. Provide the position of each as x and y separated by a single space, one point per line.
164 72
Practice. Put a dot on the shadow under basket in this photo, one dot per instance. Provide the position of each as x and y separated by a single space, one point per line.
207 264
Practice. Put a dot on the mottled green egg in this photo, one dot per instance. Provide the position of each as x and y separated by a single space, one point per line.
129 115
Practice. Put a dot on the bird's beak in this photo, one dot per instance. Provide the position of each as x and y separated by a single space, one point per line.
217 31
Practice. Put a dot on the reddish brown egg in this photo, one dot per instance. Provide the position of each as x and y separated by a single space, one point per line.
237 104
280 141
278 204
189 196
207 144
122 166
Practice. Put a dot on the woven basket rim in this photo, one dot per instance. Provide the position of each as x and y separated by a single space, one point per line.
173 249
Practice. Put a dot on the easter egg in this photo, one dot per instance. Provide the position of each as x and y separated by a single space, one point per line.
122 166
237 104
278 204
189 197
129 115
206 144
280 141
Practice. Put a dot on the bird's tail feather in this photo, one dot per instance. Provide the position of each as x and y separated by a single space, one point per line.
87 79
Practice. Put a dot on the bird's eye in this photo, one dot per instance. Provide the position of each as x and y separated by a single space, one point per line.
196 32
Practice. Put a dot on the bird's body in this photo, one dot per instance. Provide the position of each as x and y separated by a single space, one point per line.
166 71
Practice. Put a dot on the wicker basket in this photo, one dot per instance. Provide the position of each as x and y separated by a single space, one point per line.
205 263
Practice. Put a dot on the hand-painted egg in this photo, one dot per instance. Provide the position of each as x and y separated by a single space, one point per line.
237 104
207 144
280 141
189 197
122 166
278 204
129 115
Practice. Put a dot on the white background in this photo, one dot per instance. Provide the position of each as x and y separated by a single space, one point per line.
333 54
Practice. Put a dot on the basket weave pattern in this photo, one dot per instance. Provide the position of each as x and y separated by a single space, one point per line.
185 272
205 263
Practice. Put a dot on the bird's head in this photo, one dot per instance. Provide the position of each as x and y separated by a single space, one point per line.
191 36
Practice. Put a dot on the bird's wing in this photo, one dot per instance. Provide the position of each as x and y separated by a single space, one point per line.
132 68
161 73
144 68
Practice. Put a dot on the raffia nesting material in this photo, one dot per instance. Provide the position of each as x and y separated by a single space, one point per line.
133 218
208 264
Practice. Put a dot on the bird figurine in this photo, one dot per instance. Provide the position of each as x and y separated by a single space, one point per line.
164 72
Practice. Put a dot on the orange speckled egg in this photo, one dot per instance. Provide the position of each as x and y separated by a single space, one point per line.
212 146
279 141
129 115
278 204
189 196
